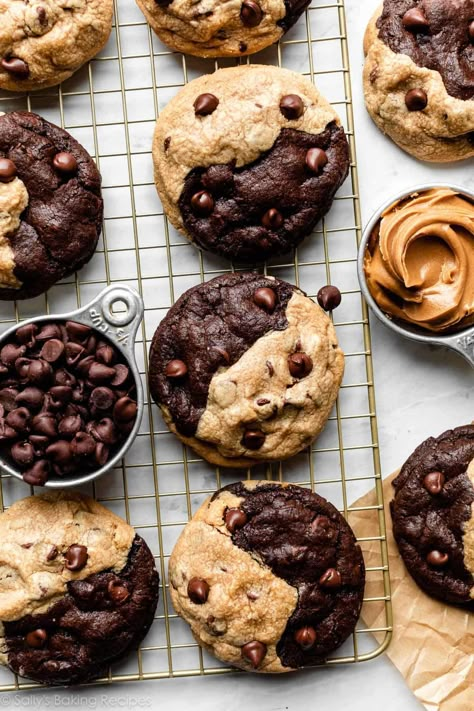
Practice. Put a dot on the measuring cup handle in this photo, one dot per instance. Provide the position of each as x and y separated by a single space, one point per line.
463 343
119 327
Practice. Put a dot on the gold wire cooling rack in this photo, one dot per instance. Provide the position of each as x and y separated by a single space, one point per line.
110 106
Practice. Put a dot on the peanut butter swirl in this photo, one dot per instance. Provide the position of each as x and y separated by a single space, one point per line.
419 263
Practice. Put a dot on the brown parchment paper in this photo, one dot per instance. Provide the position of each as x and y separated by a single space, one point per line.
433 643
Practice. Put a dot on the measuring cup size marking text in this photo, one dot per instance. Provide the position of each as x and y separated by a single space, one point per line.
118 333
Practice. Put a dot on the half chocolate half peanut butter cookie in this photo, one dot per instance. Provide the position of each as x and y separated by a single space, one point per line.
50 205
433 515
419 76
245 368
269 576
78 588
248 160
213 28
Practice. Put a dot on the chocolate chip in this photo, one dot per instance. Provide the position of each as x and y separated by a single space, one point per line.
198 591
39 442
292 107
18 419
117 592
305 637
205 104
52 350
251 13
106 354
437 559
40 372
64 377
70 425
434 482
10 353
51 330
60 394
202 203
16 66
23 453
414 20
254 652
44 424
26 334
101 454
121 375
6 432
8 398
65 162
416 100
7 170
53 553
76 557
38 474
253 439
234 518
59 451
82 445
316 159
265 298
176 369
330 579
100 373
42 16
102 398
21 367
104 431
242 47
300 365
78 331
125 410
471 31
36 638
329 297
272 219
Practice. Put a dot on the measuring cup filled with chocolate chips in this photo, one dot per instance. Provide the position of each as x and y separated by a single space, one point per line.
71 398
416 266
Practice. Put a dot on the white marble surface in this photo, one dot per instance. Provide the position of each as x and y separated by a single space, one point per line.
420 391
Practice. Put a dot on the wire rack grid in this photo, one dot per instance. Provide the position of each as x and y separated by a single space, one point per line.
110 106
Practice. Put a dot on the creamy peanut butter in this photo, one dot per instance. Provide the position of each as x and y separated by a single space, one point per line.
419 263
13 200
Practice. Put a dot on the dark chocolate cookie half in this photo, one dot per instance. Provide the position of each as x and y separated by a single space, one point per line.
221 29
245 368
78 588
50 196
248 160
269 576
433 521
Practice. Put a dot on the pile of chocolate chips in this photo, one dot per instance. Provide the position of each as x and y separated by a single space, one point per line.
67 400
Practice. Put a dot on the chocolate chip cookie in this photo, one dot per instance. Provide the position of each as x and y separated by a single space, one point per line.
245 368
269 576
433 516
247 160
43 42
419 76
78 588
212 28
50 205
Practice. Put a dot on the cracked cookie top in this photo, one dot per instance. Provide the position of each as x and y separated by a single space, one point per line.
43 42
50 205
268 575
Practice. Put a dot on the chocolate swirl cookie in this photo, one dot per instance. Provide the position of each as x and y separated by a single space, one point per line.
78 588
50 205
419 76
245 368
43 42
248 160
269 576
221 28
433 516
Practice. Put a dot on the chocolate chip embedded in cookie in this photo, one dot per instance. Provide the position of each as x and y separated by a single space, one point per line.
282 590
50 205
43 42
419 77
221 29
248 173
433 515
245 368
78 588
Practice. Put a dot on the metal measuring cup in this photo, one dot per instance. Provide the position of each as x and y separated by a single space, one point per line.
120 329
462 341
